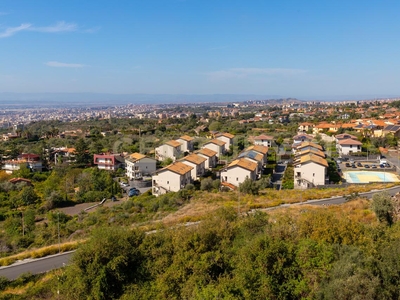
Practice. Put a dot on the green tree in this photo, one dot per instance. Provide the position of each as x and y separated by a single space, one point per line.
249 186
28 196
81 152
382 205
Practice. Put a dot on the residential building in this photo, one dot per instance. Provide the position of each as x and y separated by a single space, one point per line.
139 165
211 157
307 145
255 157
109 162
186 143
238 170
348 146
217 146
392 129
30 160
306 126
227 138
300 138
310 170
260 149
263 140
171 149
197 162
172 178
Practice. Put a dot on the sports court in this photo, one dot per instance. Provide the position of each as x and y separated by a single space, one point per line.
369 176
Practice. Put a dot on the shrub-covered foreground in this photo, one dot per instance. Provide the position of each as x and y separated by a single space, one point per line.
323 253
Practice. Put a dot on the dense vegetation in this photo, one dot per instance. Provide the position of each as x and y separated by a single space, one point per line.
343 253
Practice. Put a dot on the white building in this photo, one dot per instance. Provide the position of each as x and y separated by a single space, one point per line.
310 170
171 179
237 172
348 146
263 140
211 157
197 162
171 149
260 149
227 138
138 165
186 143
31 161
216 145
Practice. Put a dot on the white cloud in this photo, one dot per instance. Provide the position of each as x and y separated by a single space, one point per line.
58 27
10 31
247 72
57 64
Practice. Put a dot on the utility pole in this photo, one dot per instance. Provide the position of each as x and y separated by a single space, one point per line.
59 244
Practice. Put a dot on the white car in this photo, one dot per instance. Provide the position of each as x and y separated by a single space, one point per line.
124 184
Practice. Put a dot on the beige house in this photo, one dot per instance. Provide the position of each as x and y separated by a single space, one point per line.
138 165
197 162
238 170
307 145
171 149
260 149
310 170
211 157
227 138
255 157
348 146
171 179
31 161
186 143
216 145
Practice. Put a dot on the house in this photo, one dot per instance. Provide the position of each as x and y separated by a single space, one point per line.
300 138
255 157
263 140
20 180
138 165
30 160
108 161
348 146
307 145
308 151
171 179
10 136
227 138
260 149
63 154
344 136
171 149
216 145
392 129
211 157
238 170
310 170
186 143
197 162
306 126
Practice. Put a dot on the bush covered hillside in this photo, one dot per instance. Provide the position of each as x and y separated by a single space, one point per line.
336 252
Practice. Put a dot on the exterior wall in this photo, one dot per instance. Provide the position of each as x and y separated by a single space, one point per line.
236 175
167 151
267 143
169 181
141 167
211 162
259 164
186 146
311 172
216 148
197 171
347 149
9 167
228 142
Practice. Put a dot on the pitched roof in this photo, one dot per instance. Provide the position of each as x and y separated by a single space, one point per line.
217 142
179 168
252 155
194 158
264 137
349 142
309 144
259 148
186 138
207 152
243 163
392 128
344 136
312 158
173 143
226 134
136 156
309 150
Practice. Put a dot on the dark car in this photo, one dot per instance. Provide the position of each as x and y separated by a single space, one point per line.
359 164
353 166
387 165
381 166
366 166
347 165
132 193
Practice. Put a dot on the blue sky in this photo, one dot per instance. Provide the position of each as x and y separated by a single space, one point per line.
304 49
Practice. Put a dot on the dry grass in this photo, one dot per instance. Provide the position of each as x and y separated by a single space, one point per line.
37 253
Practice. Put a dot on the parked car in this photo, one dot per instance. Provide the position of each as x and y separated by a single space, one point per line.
353 166
359 164
124 184
132 193
366 166
387 165
381 166
347 165
373 166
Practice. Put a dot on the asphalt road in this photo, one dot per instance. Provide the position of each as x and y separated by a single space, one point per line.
48 263
36 266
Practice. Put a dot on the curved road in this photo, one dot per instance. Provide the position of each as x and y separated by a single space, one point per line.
48 263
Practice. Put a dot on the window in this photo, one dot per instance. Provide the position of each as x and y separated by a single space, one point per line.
167 182
237 178
313 174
